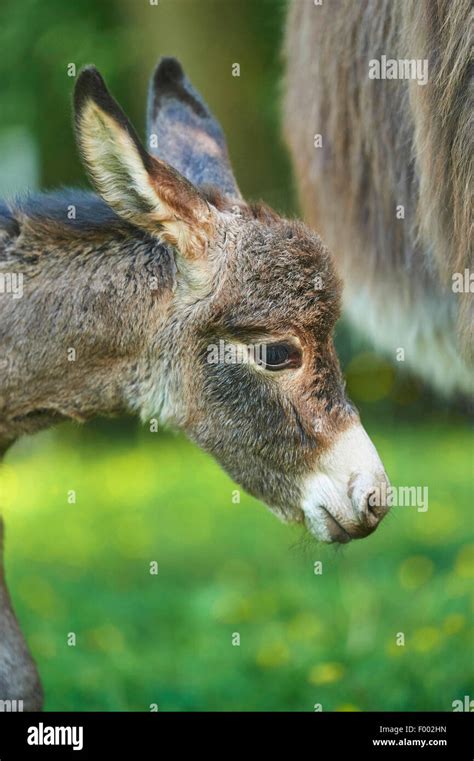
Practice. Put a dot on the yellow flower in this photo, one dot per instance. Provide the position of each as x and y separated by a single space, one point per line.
106 638
326 673
273 654
304 627
425 639
233 608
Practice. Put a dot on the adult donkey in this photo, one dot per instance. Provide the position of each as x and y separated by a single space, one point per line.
385 171
124 293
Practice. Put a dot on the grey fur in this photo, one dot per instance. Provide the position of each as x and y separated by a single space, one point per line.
390 145
142 291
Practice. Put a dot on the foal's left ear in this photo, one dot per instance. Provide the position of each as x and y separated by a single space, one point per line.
140 188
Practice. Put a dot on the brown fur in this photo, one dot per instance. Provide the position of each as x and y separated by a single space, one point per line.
140 287
387 143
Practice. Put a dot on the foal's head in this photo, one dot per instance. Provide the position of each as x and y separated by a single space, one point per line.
245 361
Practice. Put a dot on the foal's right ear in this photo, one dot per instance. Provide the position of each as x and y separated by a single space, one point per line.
147 192
182 130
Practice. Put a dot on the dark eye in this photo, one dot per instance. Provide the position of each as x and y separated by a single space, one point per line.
278 356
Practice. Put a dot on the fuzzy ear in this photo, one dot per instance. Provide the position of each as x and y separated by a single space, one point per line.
182 131
140 188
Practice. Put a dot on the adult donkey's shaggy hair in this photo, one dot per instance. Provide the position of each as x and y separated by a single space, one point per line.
388 144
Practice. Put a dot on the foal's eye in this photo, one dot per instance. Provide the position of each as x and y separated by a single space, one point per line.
278 356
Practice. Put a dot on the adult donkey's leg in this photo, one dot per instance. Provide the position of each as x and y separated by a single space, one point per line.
19 679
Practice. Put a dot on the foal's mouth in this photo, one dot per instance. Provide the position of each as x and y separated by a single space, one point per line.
337 532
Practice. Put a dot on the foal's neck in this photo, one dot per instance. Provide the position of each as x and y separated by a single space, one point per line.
89 291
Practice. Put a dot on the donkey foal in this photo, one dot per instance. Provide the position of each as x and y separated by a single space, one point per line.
122 302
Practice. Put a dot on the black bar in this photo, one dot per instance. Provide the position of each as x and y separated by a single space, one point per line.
147 735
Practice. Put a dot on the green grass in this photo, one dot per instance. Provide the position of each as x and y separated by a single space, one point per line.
228 568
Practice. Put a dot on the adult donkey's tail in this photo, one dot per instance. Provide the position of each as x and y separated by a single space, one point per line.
19 679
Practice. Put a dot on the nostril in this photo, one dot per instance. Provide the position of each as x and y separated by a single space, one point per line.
371 503
368 496
372 509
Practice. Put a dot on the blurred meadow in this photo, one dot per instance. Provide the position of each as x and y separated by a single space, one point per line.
225 567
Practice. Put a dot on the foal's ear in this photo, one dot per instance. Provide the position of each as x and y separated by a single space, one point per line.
140 188
182 131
